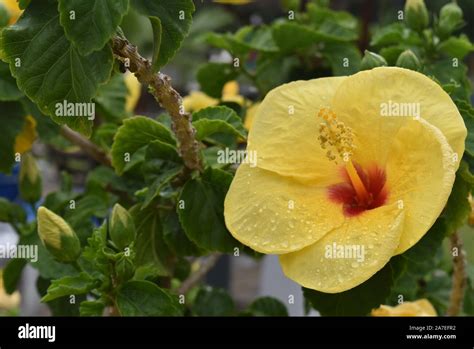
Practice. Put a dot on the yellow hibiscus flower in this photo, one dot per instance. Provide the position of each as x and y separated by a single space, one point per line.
198 100
421 307
13 9
350 172
134 91
24 141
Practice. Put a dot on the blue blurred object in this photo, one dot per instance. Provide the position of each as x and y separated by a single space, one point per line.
9 190
9 184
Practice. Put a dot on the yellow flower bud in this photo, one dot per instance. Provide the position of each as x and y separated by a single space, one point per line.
372 60
57 236
408 60
416 14
122 228
450 19
420 307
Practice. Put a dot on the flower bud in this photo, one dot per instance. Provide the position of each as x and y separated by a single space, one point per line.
57 236
450 19
408 60
416 14
122 228
30 179
372 60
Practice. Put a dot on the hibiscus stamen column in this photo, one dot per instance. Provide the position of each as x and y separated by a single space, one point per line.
338 138
357 183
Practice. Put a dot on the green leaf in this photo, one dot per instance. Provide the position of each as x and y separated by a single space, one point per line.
457 208
175 17
13 116
8 89
467 113
274 72
256 38
468 306
291 36
89 25
48 68
202 217
456 47
144 298
157 33
92 308
414 264
150 246
176 238
344 59
392 53
358 301
162 164
213 302
421 257
333 26
446 73
11 212
135 133
92 205
218 120
93 258
213 76
46 265
12 274
111 98
395 34
66 286
23 4
267 306
61 306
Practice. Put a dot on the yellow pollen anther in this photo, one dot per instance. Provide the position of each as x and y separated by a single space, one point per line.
335 136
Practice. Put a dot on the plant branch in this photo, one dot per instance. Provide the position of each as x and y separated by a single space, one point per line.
206 266
459 276
160 87
86 145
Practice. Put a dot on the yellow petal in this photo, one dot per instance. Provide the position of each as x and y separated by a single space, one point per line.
134 92
421 173
13 9
417 154
274 214
230 89
420 307
362 97
197 100
24 141
368 240
250 115
285 130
